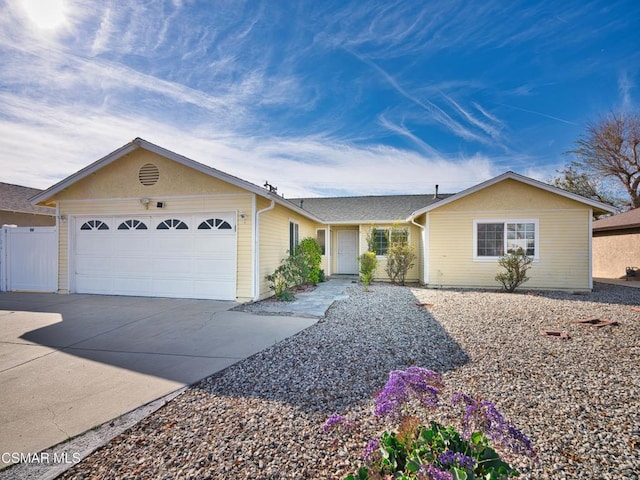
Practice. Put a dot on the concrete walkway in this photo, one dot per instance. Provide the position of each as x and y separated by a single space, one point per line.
312 304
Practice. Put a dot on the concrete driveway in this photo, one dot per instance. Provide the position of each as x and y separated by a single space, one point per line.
71 362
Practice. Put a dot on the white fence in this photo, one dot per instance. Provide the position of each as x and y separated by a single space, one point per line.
28 259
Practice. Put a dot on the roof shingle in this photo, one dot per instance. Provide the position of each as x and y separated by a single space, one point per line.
386 208
15 198
630 219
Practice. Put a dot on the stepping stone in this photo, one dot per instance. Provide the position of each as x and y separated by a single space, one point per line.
555 334
595 322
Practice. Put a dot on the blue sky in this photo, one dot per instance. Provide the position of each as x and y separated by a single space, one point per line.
317 97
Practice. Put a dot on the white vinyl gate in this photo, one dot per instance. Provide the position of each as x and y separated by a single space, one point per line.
29 259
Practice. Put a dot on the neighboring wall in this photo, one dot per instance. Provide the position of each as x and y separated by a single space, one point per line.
614 251
564 238
26 219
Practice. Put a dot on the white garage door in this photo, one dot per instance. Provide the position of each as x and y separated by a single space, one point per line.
181 256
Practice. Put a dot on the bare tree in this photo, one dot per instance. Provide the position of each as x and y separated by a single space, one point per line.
573 179
610 148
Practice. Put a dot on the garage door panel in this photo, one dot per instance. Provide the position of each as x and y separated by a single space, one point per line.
188 263
93 243
217 266
132 265
174 287
223 286
94 283
169 267
129 244
93 265
133 286
165 243
212 242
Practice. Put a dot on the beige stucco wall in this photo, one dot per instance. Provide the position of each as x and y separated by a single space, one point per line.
613 253
116 190
564 238
26 219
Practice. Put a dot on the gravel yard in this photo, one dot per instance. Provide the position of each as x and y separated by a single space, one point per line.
578 399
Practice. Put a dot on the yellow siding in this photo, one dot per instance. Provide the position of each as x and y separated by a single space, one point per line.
274 239
120 179
363 230
563 238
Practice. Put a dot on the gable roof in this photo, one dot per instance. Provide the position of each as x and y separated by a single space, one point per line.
141 143
370 209
597 206
15 198
630 219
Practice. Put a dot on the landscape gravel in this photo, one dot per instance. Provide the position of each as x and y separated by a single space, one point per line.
577 399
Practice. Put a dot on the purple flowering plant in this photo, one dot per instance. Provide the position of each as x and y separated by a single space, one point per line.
429 450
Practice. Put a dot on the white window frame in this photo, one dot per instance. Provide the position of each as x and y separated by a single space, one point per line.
325 239
387 231
505 221
294 241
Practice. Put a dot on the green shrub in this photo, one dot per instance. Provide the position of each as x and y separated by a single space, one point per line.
400 258
371 240
301 267
308 257
368 264
286 276
516 265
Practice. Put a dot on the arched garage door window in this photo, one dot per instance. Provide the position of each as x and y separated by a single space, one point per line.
215 224
172 224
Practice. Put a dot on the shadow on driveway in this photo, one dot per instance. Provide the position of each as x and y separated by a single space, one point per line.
71 362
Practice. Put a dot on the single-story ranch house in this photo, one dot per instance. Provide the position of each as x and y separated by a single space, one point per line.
146 221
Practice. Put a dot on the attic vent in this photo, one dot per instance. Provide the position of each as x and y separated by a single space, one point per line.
148 174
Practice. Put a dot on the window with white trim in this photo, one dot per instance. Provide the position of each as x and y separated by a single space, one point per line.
494 238
94 225
215 224
294 236
132 225
321 237
384 237
172 224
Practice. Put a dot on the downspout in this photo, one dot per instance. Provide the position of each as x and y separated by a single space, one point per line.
256 251
425 267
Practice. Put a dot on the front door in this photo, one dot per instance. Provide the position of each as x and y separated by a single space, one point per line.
347 252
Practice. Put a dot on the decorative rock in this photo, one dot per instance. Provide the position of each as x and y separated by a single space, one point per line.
262 418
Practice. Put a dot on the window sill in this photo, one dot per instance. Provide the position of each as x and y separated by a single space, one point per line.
496 259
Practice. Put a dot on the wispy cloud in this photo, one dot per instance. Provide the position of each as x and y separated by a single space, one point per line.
540 114
395 96
405 132
625 87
